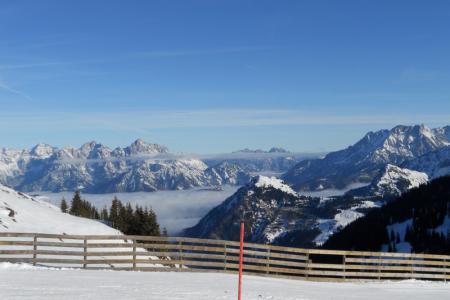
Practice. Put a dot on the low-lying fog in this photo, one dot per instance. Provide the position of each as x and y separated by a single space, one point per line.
176 210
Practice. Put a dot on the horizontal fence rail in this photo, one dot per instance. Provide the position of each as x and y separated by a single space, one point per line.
148 253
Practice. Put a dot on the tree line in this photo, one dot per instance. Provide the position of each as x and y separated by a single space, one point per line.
130 220
425 213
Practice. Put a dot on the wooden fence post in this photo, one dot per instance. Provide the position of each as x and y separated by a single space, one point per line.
134 254
268 261
344 257
307 266
379 267
34 249
445 270
180 254
225 257
85 253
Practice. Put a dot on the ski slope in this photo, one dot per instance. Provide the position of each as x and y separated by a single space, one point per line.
22 213
27 282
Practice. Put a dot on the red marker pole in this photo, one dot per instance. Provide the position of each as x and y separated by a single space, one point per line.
241 261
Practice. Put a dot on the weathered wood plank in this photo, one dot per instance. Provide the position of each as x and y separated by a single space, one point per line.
16 243
398 261
60 244
376 267
12 252
288 256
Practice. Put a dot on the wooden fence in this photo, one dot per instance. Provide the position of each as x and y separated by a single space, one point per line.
147 253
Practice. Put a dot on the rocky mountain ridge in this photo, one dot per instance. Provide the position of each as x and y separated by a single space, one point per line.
275 214
363 161
96 168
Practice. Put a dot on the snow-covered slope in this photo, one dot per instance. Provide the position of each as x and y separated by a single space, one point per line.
394 176
341 218
417 221
363 161
434 164
22 213
392 181
95 168
27 282
227 173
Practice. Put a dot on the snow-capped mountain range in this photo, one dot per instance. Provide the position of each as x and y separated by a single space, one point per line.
275 160
410 147
96 168
389 162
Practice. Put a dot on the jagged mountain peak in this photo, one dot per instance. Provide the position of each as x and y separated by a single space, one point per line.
259 151
362 161
443 133
139 146
400 134
42 150
89 145
92 150
392 181
278 150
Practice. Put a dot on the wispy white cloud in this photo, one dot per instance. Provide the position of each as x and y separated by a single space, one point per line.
46 64
156 54
142 122
142 55
9 89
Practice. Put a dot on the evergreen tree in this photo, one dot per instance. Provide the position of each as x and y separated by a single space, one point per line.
64 207
114 212
82 208
138 221
104 214
75 206
425 207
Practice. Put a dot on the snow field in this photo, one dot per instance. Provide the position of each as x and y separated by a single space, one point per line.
22 213
27 282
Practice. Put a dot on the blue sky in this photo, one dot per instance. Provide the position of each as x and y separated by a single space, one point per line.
215 76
